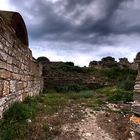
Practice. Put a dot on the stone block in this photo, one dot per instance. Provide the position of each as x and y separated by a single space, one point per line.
1 88
9 59
5 49
15 76
3 41
1 111
5 88
12 86
25 84
19 97
4 74
3 56
24 95
9 67
136 109
137 97
3 64
15 69
138 78
1 46
19 85
137 86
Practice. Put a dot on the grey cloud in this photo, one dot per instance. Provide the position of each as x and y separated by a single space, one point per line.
46 22
82 25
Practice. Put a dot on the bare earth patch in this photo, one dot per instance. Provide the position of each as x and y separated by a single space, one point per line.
76 121
86 129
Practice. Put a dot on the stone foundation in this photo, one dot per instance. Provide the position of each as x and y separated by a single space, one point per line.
20 73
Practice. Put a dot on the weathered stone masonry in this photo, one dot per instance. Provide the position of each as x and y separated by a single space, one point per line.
20 73
135 119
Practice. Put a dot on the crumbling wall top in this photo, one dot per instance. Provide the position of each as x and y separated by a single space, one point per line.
14 20
137 60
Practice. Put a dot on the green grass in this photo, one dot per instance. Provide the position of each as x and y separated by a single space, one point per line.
14 124
115 94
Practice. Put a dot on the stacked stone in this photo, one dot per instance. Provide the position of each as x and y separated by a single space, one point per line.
20 74
135 119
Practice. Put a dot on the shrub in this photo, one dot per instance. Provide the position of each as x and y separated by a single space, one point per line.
120 95
14 122
43 59
69 66
19 112
126 85
31 101
108 58
69 63
117 74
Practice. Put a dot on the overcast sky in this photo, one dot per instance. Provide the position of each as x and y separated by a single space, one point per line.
80 30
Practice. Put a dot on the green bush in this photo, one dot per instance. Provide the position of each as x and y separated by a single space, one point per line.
120 95
19 112
118 75
108 58
43 59
69 66
126 85
69 63
14 123
31 101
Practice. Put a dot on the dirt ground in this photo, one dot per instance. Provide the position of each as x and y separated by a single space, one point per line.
78 122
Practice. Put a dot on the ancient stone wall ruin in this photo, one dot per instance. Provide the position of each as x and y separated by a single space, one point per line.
135 119
109 62
20 73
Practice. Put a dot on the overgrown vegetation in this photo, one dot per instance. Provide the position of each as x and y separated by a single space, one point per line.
68 66
118 74
120 95
14 122
70 88
18 120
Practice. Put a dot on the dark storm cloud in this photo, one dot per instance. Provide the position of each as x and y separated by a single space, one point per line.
75 20
41 18
90 21
94 22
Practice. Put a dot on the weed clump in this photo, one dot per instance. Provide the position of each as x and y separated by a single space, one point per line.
126 85
19 112
14 122
120 95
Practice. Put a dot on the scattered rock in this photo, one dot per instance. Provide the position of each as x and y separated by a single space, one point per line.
29 120
87 134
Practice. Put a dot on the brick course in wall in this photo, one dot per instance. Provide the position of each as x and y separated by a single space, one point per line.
20 73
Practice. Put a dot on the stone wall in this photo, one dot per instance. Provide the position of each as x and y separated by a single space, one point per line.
20 73
61 74
108 62
135 119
